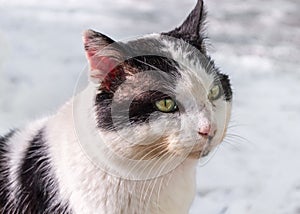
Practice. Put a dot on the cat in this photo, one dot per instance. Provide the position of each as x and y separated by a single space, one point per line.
130 142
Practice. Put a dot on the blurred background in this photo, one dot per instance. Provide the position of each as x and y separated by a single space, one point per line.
256 169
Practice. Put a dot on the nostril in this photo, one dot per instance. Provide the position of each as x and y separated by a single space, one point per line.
205 130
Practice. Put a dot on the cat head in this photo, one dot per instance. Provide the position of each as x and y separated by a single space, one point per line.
161 95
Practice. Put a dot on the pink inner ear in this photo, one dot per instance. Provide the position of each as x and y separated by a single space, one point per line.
105 68
101 66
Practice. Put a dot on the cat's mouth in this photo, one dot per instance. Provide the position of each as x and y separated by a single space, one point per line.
201 149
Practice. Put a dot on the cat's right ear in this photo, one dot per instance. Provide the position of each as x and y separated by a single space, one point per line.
103 54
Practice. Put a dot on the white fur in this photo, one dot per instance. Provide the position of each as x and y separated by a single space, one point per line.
193 92
94 179
17 149
91 189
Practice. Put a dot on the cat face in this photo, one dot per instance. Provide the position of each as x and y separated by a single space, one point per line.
159 96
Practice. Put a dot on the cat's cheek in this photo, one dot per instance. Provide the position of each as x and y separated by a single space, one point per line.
222 115
181 143
164 124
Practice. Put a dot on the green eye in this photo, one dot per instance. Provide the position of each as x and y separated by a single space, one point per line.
214 93
166 105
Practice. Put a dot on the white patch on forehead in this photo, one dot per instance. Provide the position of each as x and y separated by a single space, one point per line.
188 58
195 81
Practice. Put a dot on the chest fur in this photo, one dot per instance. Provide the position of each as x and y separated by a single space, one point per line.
169 194
92 190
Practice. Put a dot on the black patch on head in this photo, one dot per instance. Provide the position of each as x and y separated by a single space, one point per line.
140 55
144 47
4 170
147 54
151 62
38 190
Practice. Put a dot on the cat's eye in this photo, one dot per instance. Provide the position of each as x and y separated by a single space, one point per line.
214 93
166 105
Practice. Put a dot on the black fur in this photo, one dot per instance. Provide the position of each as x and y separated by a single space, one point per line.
4 180
220 79
103 110
37 192
38 185
192 29
152 62
227 91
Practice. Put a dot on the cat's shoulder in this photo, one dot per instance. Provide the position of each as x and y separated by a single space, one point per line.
23 133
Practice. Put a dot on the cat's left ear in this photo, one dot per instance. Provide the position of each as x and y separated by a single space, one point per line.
192 28
103 54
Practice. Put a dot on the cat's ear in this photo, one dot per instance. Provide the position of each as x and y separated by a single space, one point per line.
192 28
103 55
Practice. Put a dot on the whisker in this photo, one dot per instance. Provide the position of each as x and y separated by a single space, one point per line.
168 176
154 146
145 155
229 143
161 168
149 182
136 165
235 125
235 136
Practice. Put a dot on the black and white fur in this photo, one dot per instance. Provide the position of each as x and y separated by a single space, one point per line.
59 164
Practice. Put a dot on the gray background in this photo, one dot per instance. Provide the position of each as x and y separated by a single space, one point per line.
256 42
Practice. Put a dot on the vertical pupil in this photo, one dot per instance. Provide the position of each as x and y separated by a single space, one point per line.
165 105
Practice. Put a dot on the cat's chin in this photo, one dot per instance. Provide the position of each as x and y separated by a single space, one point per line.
198 154
199 151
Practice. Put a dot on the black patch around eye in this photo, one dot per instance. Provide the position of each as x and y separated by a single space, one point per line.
226 86
149 54
103 110
144 105
139 111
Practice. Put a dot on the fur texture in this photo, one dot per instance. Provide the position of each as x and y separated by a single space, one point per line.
110 149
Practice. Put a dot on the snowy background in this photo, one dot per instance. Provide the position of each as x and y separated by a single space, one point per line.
257 169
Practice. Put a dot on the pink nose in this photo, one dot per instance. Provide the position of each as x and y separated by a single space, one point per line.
205 130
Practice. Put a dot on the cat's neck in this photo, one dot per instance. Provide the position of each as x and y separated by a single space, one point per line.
90 188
